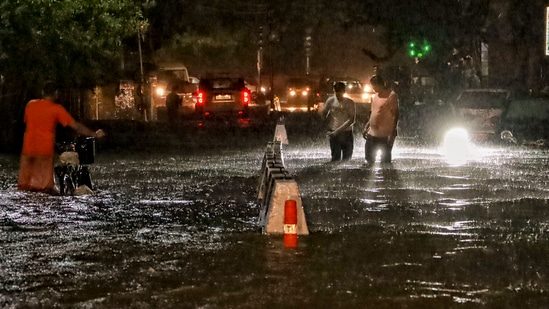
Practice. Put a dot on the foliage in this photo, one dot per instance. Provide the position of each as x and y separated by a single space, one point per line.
443 23
72 42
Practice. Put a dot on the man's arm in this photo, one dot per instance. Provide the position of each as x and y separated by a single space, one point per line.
327 106
396 114
83 130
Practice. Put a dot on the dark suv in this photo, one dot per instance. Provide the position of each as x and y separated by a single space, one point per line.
223 96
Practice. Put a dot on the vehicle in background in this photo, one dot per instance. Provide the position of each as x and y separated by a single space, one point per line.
361 93
480 111
298 95
223 97
163 78
526 122
261 102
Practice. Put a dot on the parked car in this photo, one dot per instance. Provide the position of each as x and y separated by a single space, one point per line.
526 122
223 96
298 95
480 111
164 78
260 103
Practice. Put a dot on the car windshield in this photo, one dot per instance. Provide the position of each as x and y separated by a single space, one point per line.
528 109
299 83
482 99
352 86
222 84
172 74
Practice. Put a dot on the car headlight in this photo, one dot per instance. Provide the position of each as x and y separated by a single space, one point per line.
456 146
160 91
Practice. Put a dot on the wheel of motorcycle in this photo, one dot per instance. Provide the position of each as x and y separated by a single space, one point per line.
84 177
67 187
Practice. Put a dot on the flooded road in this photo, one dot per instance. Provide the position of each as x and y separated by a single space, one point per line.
170 230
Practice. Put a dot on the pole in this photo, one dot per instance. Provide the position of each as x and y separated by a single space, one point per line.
140 54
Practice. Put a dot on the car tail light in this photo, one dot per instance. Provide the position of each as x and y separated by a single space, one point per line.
494 121
245 97
200 98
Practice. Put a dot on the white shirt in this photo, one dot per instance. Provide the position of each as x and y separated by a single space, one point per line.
384 115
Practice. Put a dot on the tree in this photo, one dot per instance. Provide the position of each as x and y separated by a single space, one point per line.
75 43
442 23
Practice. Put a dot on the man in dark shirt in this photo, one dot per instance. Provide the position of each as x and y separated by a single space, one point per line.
173 103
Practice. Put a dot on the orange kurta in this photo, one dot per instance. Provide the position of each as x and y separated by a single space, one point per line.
41 119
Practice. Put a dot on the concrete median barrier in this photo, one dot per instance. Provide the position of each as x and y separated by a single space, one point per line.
275 187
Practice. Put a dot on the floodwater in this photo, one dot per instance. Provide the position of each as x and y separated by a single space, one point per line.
169 230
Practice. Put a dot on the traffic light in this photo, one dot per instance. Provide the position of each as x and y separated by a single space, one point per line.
419 50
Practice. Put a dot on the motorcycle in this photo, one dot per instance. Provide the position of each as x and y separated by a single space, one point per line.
71 173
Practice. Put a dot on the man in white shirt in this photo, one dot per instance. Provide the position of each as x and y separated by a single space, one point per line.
381 130
340 112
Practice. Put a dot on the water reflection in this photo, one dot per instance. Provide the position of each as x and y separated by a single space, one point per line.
180 231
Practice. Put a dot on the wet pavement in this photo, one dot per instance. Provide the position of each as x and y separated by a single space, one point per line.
180 230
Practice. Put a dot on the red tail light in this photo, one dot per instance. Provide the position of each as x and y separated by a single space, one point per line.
245 97
200 98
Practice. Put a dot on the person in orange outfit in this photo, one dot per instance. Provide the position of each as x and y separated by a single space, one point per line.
41 119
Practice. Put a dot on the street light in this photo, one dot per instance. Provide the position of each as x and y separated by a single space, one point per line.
308 44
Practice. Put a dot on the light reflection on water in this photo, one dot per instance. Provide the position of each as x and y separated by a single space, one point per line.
179 231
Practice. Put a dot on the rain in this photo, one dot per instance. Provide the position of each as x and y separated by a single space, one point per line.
174 218
180 230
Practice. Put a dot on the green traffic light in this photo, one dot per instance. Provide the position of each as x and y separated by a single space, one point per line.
419 50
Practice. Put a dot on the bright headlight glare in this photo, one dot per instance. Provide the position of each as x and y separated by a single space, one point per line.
456 146
160 91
